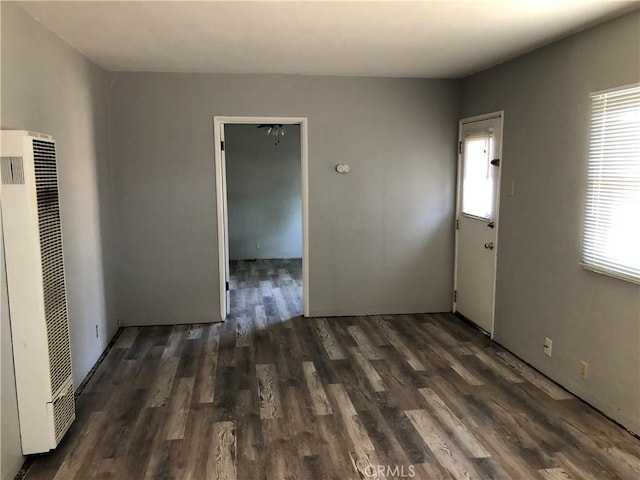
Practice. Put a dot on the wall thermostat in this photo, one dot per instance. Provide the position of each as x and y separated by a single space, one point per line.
343 168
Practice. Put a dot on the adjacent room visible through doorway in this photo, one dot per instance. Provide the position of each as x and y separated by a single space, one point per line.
264 220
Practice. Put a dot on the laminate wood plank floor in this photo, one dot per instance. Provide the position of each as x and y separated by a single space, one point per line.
271 395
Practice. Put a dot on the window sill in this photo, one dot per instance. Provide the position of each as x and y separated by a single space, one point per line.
611 273
476 217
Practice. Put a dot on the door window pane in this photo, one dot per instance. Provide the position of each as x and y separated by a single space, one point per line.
477 179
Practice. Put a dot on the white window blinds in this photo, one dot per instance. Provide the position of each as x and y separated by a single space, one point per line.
612 216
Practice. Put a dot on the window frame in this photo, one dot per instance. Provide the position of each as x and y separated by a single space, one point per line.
489 134
586 264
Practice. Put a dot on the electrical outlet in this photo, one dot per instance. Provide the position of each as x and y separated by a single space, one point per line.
97 332
257 244
548 346
584 370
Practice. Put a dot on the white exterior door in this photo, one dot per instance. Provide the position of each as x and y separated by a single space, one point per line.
477 218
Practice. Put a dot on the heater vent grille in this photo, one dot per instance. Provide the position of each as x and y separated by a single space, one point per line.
12 170
63 412
55 302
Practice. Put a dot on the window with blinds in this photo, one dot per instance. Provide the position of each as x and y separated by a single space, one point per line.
611 242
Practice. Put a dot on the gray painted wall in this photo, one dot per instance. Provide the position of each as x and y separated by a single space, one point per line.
541 288
49 87
381 238
264 192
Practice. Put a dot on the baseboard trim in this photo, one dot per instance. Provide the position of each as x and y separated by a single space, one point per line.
473 325
630 432
96 365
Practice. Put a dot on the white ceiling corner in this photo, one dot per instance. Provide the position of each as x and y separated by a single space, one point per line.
445 39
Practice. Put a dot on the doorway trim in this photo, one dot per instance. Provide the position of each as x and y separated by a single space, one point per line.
221 188
465 121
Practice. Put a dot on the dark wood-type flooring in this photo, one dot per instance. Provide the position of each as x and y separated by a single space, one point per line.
271 395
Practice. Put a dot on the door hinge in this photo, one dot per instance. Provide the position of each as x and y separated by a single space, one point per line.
459 147
495 162
455 296
222 145
226 286
457 224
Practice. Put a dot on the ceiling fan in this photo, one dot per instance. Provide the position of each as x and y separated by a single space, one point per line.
275 130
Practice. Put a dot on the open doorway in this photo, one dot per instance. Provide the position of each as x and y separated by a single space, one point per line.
261 180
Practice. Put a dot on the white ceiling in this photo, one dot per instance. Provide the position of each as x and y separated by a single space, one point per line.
388 38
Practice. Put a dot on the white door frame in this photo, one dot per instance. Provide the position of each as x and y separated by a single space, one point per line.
221 188
499 114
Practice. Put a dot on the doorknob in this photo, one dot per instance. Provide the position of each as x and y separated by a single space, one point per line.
488 246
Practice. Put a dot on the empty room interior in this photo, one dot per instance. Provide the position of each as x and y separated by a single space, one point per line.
320 240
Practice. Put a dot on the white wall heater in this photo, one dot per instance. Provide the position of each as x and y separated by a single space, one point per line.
36 284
